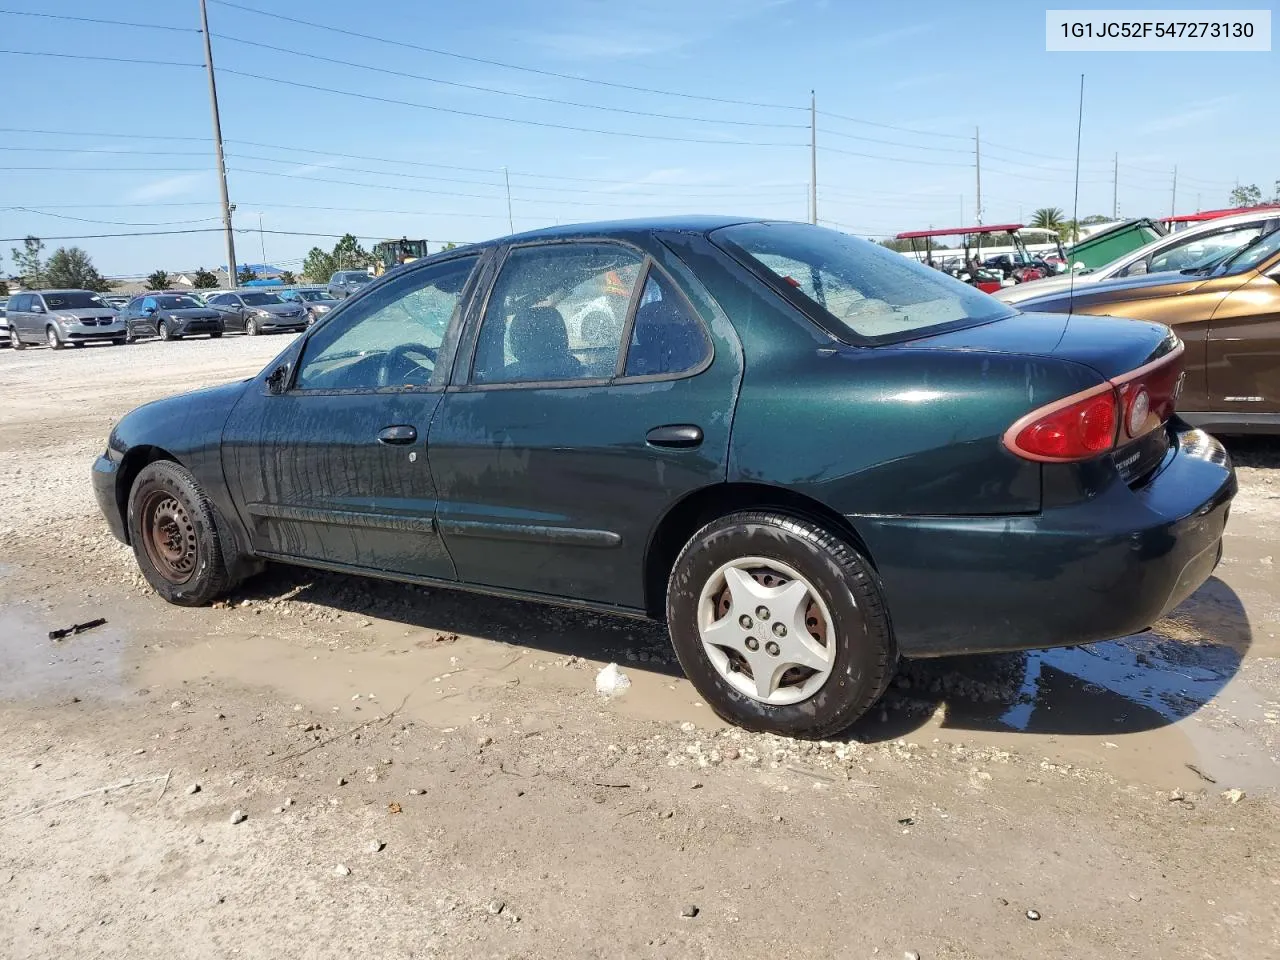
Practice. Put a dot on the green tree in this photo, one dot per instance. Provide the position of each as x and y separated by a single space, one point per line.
318 266
453 246
287 278
204 279
245 275
71 267
28 263
157 280
1048 218
1248 195
349 255
1094 218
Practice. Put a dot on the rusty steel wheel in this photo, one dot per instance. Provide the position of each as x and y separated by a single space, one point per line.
169 536
173 528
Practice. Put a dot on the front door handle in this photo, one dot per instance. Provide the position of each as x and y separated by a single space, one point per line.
679 435
401 433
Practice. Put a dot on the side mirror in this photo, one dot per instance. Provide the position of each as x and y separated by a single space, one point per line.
1077 266
37 308
148 310
277 380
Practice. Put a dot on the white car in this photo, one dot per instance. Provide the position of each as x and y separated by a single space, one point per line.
1193 247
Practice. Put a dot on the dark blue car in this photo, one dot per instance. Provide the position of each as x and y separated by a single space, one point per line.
807 454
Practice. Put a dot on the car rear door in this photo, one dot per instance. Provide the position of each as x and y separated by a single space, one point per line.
1244 347
332 471
17 314
558 451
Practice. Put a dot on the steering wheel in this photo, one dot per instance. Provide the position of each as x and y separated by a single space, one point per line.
400 369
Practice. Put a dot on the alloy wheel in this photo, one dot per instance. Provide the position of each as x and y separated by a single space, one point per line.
766 630
51 337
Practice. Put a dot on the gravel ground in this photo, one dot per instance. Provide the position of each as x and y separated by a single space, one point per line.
419 773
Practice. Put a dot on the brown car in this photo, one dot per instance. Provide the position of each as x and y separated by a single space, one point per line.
1227 314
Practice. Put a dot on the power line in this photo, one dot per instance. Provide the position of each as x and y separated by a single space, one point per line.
507 93
95 20
83 133
872 156
499 63
491 116
889 126
113 223
101 59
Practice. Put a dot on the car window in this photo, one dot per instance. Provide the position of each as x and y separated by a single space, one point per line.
392 338
1263 248
853 286
1199 251
149 303
75 300
557 312
665 339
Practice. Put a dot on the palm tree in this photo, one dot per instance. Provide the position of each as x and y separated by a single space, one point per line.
1047 218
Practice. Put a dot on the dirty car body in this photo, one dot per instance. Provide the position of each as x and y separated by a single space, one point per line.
773 391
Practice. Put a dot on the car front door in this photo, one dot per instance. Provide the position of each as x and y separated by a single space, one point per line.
559 449
150 319
232 309
330 467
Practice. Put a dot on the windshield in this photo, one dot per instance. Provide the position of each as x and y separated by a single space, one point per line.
859 287
75 300
1252 255
178 303
260 299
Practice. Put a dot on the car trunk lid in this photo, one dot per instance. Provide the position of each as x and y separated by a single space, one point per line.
1141 360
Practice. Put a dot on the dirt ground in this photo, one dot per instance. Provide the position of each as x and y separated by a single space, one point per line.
421 773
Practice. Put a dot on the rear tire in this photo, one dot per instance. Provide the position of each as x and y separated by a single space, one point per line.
215 335
51 337
834 618
15 340
174 534
120 341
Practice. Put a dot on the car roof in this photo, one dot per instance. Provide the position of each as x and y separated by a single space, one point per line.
1188 233
67 290
689 223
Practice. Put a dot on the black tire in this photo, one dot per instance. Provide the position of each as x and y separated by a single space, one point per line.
52 338
15 340
217 334
120 341
162 331
251 327
166 503
865 654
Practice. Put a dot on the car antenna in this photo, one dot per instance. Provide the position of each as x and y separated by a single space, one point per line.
1075 204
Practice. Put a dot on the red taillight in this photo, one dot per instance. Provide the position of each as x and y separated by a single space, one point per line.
1086 424
1075 430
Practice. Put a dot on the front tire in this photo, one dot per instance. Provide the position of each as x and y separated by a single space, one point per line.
175 536
15 339
162 331
51 337
780 625
251 327
217 334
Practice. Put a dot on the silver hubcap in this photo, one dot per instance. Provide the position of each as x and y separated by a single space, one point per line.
53 337
766 630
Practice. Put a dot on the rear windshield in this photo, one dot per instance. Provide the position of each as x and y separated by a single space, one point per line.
861 290
312 294
356 276
75 300
260 299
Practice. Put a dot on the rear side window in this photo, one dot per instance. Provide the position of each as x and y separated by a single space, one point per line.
20 303
856 289
665 339
557 313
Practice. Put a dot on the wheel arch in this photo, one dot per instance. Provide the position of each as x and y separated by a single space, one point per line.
697 509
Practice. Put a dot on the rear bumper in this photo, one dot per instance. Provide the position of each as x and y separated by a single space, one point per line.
104 490
1090 571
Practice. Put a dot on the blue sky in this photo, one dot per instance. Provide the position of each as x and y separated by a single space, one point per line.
915 77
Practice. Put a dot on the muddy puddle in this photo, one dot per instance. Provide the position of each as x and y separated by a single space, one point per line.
90 664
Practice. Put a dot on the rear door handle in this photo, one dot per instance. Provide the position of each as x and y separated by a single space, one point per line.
401 433
679 435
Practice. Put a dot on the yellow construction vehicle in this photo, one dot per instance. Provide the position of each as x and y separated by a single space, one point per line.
392 253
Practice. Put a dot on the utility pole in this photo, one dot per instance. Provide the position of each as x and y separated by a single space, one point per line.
262 238
1075 198
1173 202
217 146
977 167
511 223
813 158
1115 189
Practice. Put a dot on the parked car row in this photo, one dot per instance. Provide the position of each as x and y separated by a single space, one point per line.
61 318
